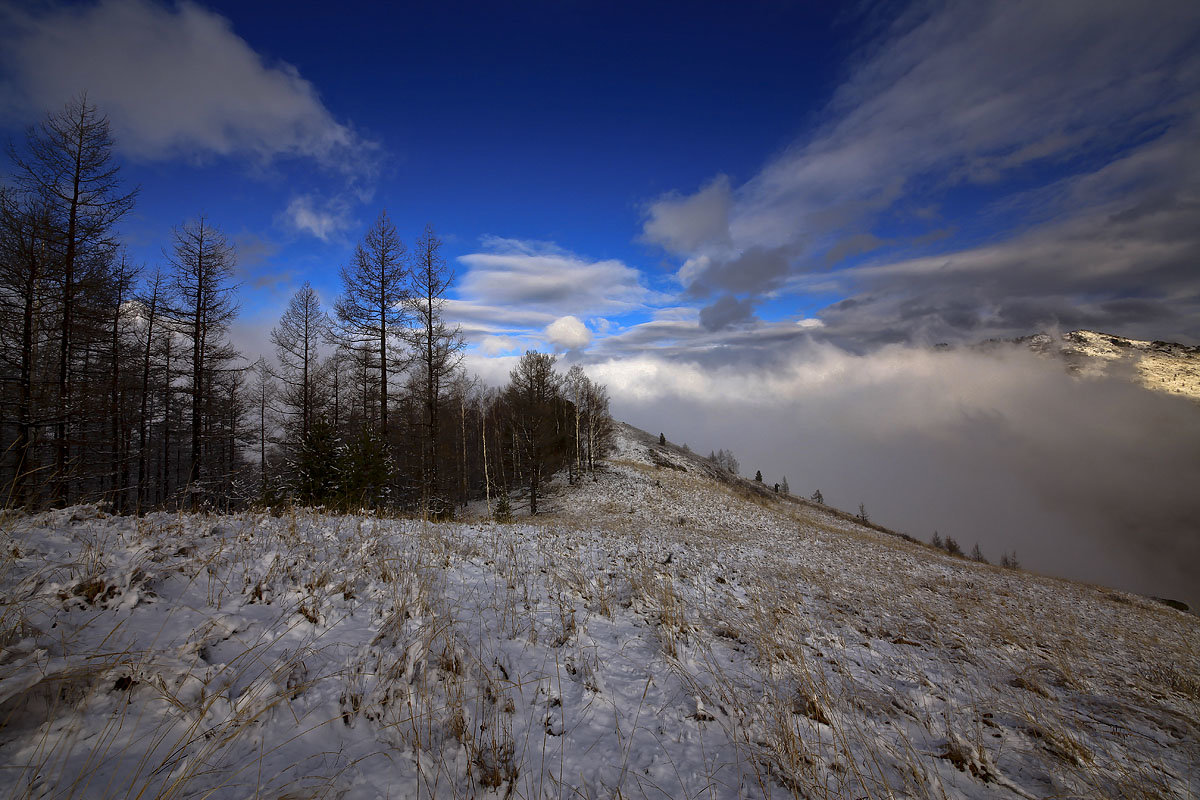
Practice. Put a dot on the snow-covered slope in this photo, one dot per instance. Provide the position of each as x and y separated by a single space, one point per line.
1166 367
665 631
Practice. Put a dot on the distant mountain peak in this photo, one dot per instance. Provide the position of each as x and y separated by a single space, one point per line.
1167 367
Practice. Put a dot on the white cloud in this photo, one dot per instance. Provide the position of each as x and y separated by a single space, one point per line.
174 81
492 345
568 333
491 318
323 219
548 280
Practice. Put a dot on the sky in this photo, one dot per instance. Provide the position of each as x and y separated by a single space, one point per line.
752 221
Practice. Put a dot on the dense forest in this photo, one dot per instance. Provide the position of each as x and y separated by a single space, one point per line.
118 382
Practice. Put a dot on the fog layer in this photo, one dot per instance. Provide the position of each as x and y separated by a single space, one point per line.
1089 478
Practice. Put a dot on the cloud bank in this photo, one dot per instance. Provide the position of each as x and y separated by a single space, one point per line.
1088 478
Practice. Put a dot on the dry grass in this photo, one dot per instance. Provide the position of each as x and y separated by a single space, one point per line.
770 647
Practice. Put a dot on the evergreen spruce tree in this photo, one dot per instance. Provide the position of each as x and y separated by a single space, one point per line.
365 465
316 466
758 475
503 512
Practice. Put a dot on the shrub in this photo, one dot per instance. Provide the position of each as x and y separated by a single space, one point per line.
952 547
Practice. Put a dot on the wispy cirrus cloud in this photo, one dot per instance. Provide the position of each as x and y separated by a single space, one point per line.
1029 107
323 218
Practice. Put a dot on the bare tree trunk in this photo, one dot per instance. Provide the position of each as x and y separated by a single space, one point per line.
197 374
115 410
462 467
143 422
62 448
487 484
165 482
20 492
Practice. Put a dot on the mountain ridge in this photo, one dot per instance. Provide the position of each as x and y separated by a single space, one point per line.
1159 366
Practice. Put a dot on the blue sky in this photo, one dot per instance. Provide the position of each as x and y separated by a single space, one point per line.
750 221
676 178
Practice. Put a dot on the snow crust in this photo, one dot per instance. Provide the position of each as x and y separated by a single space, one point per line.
660 633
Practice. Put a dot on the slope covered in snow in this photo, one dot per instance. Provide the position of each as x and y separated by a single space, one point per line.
666 630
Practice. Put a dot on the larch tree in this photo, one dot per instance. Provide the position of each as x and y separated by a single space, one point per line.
373 308
301 331
26 287
533 394
150 302
202 262
68 165
262 392
437 347
123 280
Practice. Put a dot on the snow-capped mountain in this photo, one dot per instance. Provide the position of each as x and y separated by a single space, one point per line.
1166 367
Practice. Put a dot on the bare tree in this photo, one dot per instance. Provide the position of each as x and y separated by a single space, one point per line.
532 395
149 302
69 167
124 277
262 393
202 287
577 387
437 348
26 278
297 339
599 422
373 306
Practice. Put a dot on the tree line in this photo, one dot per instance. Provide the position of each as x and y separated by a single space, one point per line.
118 382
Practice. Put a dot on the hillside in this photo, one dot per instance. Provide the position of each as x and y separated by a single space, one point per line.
665 630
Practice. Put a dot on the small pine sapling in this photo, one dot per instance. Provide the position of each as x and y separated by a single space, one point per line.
818 498
952 547
503 512
936 540
662 439
758 475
